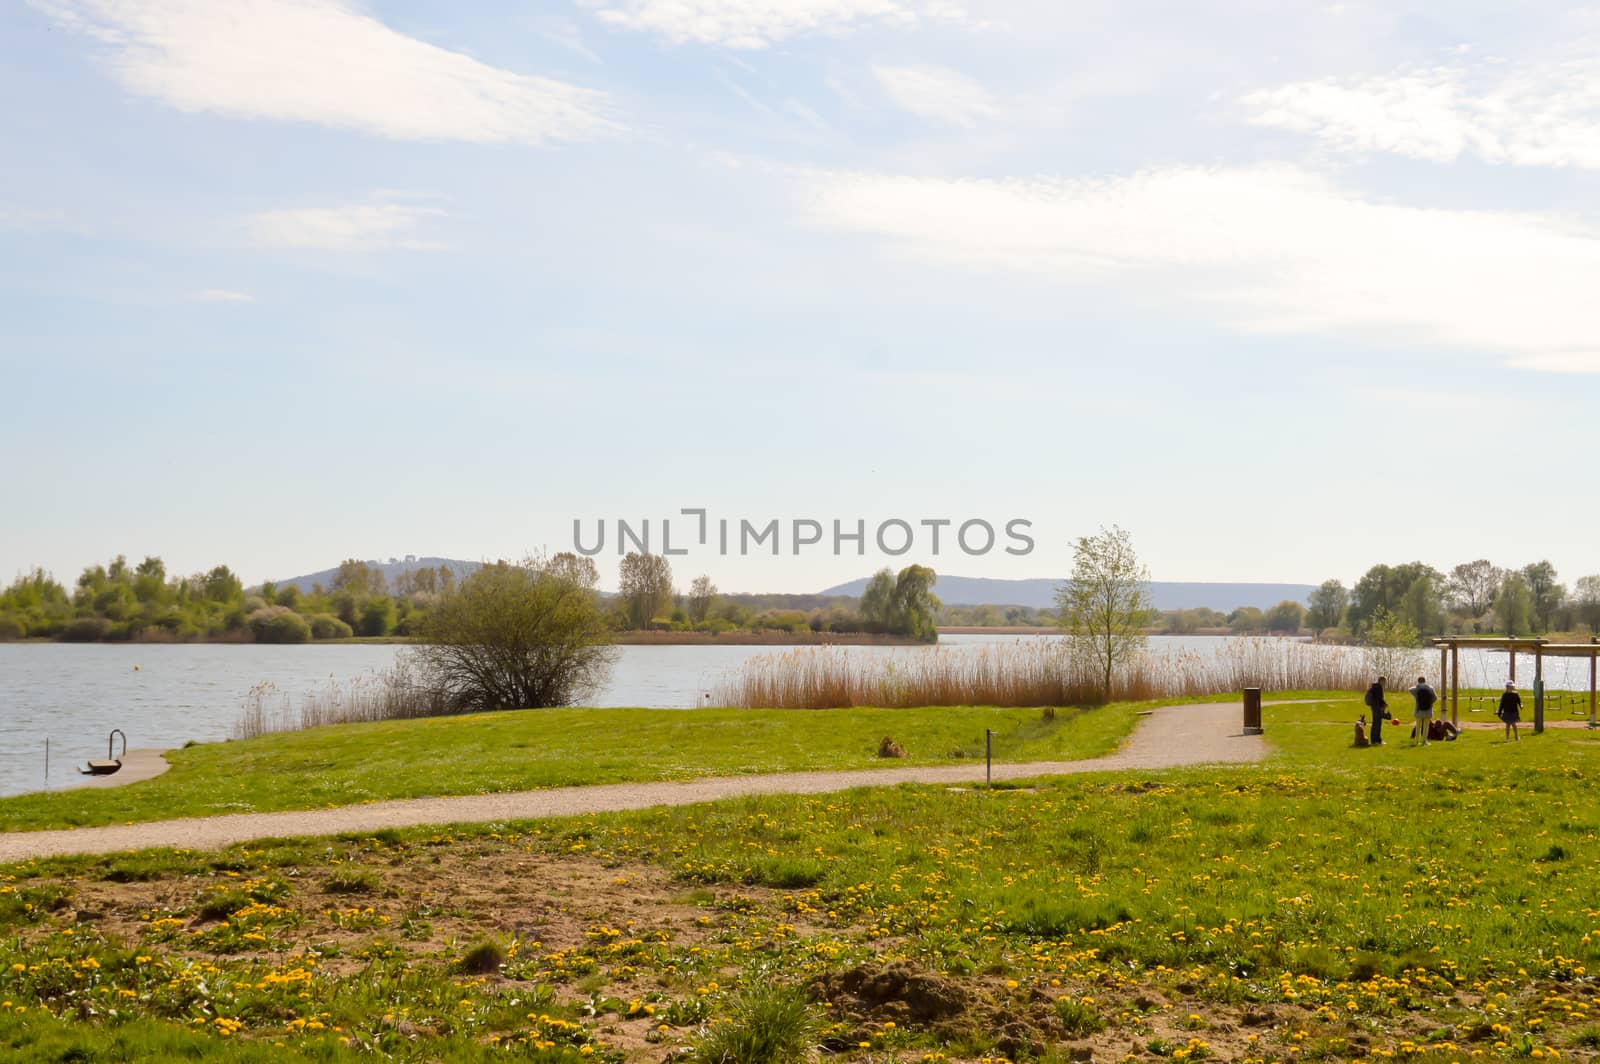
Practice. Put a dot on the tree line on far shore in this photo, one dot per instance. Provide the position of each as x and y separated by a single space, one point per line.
123 602
1473 598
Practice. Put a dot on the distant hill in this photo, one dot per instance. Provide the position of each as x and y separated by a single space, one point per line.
391 569
1040 594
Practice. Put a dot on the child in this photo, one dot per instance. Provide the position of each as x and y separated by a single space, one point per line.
1510 711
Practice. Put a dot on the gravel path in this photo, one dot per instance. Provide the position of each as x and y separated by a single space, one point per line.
1168 737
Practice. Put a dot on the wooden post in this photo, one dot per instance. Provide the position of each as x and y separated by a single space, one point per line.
1444 661
1593 659
1455 685
1538 689
1513 648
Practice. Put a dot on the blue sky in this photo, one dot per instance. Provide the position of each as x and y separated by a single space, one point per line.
285 281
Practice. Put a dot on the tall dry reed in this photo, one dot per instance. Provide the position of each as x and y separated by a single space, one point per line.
393 694
1038 672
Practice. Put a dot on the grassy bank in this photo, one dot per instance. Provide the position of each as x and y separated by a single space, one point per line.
495 752
1432 906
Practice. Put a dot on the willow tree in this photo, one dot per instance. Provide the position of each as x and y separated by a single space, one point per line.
522 636
1105 605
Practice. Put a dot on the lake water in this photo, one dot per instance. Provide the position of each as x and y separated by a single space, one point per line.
163 696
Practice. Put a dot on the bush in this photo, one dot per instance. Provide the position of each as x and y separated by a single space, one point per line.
279 624
86 630
327 626
11 628
769 1025
483 958
514 637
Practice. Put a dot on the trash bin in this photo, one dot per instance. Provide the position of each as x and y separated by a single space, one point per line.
1252 711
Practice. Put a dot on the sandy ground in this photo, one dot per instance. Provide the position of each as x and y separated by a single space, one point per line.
1168 737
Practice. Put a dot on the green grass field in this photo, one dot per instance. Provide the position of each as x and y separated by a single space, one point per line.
498 752
1433 905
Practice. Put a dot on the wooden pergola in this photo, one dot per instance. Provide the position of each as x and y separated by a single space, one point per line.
1450 665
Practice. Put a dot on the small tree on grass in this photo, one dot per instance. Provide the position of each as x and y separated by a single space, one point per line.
1105 605
1391 647
515 637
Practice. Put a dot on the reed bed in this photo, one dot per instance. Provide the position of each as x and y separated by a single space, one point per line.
393 694
1036 672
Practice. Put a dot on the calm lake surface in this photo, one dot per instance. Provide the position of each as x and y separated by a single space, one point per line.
164 696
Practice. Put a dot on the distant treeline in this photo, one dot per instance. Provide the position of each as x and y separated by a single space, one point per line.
122 602
1472 598
900 604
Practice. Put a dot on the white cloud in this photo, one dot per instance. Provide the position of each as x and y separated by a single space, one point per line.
939 94
1527 115
323 62
222 295
1263 249
354 227
760 23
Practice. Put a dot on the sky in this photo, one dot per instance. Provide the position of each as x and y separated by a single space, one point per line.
1283 289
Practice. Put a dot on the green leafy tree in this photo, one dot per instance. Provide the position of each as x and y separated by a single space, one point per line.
1546 592
1422 605
568 566
1328 603
222 586
377 616
1586 600
1286 618
1105 604
1472 586
514 637
358 578
645 584
1513 606
1386 586
150 582
915 610
702 592
877 601
1247 619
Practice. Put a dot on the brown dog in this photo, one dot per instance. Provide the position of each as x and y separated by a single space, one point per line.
1361 732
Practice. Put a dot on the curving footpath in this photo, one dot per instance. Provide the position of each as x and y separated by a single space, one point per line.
1168 737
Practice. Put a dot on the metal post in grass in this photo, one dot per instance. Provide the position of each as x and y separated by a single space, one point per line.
1252 711
988 758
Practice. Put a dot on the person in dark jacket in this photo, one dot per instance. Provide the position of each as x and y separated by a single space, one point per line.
1510 711
1380 708
1425 698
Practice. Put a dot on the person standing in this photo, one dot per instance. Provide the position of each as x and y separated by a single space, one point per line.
1510 712
1380 708
1425 697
